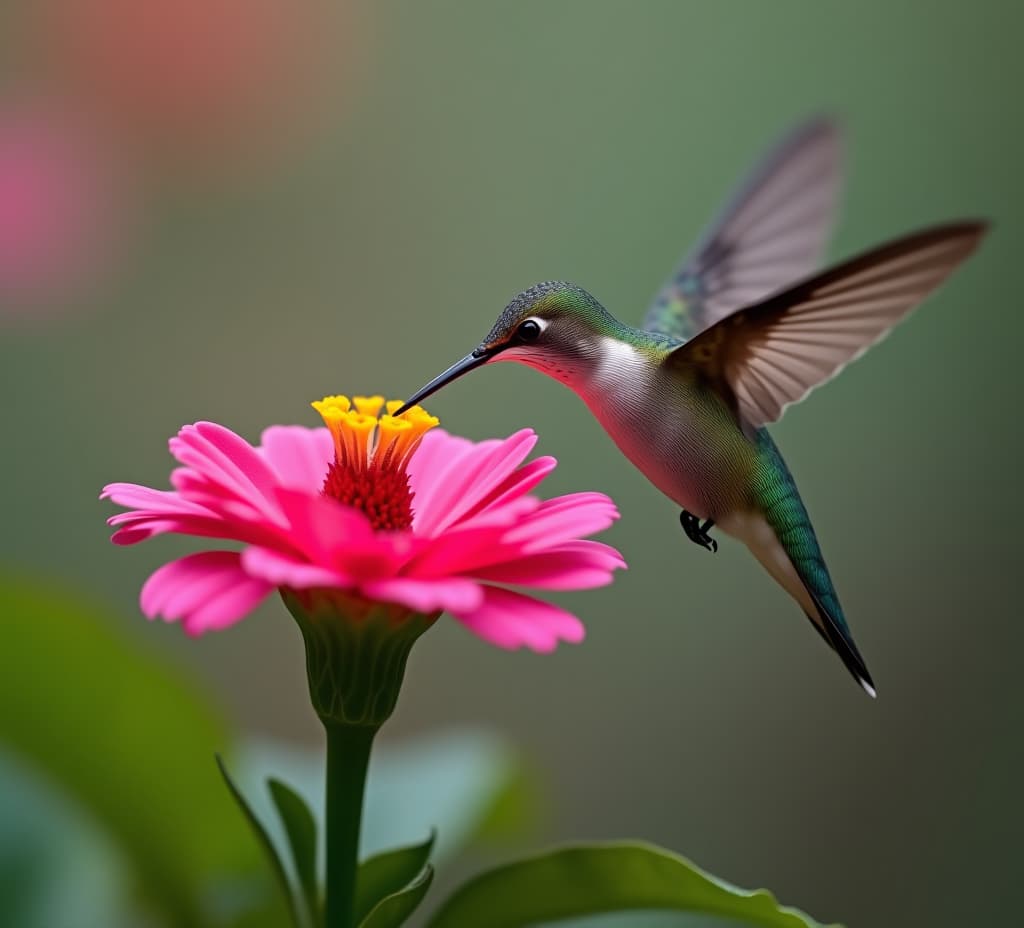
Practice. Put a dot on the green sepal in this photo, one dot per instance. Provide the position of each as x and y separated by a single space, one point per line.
393 910
300 829
592 879
388 872
356 652
263 837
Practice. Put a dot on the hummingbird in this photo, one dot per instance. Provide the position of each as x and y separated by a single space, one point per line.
743 328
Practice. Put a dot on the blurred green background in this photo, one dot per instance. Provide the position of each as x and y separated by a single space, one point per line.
342 201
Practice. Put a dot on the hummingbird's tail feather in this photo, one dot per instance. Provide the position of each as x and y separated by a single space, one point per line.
782 538
839 637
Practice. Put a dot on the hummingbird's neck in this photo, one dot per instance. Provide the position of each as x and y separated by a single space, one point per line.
610 329
618 357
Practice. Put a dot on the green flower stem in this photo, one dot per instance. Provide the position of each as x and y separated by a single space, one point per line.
348 755
356 651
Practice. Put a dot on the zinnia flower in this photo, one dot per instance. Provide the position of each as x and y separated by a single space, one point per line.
383 509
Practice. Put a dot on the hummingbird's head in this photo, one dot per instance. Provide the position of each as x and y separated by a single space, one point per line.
555 327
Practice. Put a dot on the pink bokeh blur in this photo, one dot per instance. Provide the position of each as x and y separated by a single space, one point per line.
58 207
204 84
112 105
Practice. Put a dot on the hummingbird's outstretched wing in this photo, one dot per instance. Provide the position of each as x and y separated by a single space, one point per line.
773 232
774 353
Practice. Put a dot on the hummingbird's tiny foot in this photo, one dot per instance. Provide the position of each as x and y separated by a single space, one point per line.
697 531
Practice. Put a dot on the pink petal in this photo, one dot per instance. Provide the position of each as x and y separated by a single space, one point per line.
576 566
489 526
451 594
512 620
161 511
298 456
475 548
139 524
202 490
340 537
135 496
321 525
132 536
480 474
564 518
209 590
477 545
435 453
280 569
462 550
228 460
511 491
438 456
238 453
441 474
133 527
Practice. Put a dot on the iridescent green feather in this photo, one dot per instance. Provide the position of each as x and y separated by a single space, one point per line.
780 501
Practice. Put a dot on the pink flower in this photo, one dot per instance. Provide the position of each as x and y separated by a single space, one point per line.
382 508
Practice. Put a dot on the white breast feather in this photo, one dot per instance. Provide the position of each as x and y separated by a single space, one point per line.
621 367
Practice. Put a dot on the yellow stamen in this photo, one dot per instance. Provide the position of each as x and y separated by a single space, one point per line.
368 405
393 436
361 439
359 432
335 402
333 418
399 437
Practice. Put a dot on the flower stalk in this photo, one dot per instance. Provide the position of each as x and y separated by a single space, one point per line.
348 757
356 652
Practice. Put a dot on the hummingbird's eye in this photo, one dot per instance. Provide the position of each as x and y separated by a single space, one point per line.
528 331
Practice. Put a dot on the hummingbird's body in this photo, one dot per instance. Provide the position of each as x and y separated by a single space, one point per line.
701 460
697 455
724 349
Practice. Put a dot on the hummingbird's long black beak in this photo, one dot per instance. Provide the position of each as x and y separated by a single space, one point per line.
474 359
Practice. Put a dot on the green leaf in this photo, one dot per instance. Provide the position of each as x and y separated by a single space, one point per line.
126 736
57 867
393 910
276 864
512 810
300 828
387 873
590 879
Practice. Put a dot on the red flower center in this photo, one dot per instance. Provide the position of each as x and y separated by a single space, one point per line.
382 494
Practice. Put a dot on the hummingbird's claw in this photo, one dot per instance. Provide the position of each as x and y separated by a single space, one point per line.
698 532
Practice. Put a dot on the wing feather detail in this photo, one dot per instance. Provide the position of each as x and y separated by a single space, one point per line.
773 232
773 353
